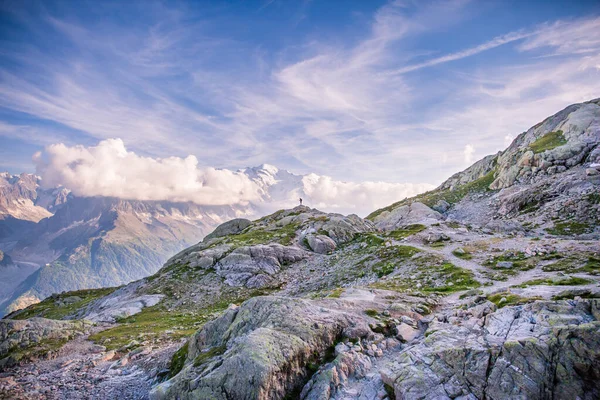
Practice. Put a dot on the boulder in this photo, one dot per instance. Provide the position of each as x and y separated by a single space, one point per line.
229 228
260 350
413 213
406 333
320 243
441 206
254 266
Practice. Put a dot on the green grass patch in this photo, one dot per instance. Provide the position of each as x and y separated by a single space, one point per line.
44 349
432 277
406 231
438 245
465 255
592 266
153 322
390 256
158 323
62 305
519 260
369 239
594 198
205 356
178 360
510 299
570 281
257 235
336 293
575 264
549 141
371 313
569 228
586 294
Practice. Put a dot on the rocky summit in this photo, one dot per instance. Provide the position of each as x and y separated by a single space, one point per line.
484 288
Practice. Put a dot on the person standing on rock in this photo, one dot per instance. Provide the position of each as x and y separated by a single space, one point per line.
300 200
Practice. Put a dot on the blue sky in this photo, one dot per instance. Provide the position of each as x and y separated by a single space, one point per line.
406 91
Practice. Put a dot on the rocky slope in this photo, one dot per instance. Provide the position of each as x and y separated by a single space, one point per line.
411 303
546 181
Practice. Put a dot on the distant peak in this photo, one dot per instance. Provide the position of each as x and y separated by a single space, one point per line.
269 168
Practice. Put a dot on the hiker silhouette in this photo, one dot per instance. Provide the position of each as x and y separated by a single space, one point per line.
300 200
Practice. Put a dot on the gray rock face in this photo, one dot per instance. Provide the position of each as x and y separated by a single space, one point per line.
537 351
441 206
580 125
405 215
254 266
122 303
21 333
347 364
229 228
534 187
321 244
18 335
259 350
475 171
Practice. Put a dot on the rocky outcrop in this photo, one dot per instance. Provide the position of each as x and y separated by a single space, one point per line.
254 266
537 351
16 336
260 350
577 125
476 171
229 228
121 303
241 261
549 173
405 215
320 243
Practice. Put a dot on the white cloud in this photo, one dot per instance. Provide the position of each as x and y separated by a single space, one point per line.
567 37
498 41
109 169
468 153
360 198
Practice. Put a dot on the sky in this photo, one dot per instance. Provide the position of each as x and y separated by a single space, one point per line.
401 92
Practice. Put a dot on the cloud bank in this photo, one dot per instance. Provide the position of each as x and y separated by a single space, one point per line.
109 169
360 198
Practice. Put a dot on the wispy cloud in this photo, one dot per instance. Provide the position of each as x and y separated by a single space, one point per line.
342 107
498 41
